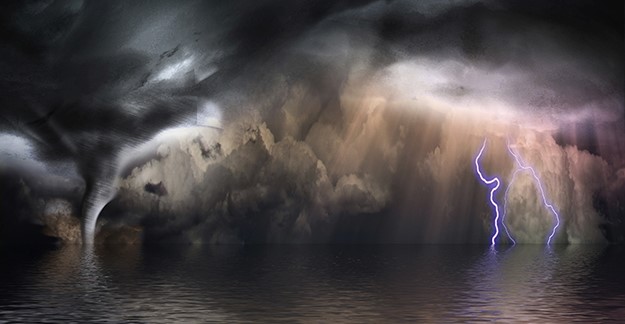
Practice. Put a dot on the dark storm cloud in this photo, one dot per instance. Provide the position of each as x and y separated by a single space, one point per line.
70 66
88 82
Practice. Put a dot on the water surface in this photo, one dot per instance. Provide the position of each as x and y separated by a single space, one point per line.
314 283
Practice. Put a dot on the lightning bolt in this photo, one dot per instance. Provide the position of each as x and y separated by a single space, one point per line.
524 167
505 204
493 190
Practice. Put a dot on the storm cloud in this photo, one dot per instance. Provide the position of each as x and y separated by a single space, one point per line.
322 121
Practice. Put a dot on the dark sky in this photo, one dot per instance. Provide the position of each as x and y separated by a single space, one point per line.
309 121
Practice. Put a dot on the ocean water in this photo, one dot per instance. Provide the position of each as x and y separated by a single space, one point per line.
314 283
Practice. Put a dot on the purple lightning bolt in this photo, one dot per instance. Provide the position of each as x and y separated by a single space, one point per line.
522 166
505 204
492 192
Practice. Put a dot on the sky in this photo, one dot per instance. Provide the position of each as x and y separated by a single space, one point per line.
310 121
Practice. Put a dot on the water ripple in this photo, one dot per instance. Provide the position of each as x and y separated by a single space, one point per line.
315 283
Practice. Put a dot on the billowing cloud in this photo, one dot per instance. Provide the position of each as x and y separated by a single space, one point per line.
316 122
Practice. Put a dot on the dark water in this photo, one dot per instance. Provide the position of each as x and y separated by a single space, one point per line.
315 284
